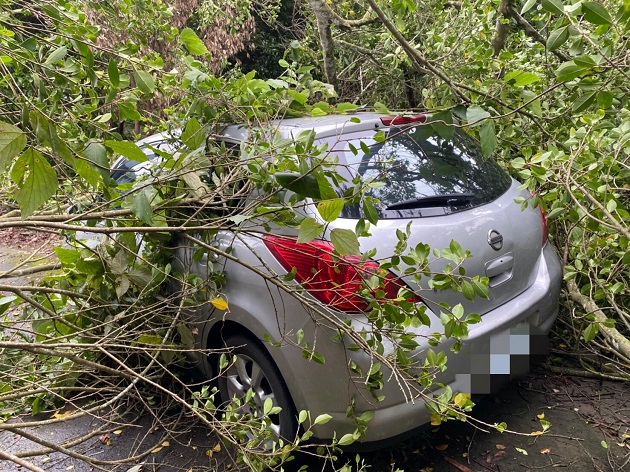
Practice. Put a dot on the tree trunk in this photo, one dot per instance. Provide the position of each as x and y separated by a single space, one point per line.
320 9
503 27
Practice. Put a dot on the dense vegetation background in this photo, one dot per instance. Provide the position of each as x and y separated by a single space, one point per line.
542 83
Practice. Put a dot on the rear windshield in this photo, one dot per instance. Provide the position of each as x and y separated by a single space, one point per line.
419 175
124 170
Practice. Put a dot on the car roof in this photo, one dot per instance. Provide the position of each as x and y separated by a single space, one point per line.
324 126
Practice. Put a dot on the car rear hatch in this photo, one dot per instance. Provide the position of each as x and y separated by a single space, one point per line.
445 190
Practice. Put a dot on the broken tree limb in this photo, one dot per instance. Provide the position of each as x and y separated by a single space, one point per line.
618 340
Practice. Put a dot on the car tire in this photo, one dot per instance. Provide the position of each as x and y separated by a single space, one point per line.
253 368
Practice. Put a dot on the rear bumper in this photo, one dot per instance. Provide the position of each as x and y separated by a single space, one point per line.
504 345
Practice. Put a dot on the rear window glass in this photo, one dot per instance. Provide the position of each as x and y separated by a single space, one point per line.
419 175
124 170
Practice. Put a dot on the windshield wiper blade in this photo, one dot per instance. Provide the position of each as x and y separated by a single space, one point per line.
449 200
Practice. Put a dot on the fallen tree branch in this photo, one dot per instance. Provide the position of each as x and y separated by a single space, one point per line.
532 32
618 340
21 462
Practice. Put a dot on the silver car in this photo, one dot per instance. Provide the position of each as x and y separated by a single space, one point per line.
442 190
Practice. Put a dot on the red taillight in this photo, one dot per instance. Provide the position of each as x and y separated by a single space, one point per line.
545 231
403 120
543 217
335 281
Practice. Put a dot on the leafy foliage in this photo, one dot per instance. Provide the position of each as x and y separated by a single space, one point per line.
549 99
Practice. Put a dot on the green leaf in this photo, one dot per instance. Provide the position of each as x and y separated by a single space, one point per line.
113 74
87 172
345 241
122 285
330 209
468 290
144 81
152 339
306 185
277 83
5 302
186 335
191 41
500 427
40 183
346 439
12 142
38 405
302 417
365 148
194 134
128 111
518 78
584 102
381 108
604 99
585 61
590 332
528 6
318 112
475 115
67 256
458 311
488 138
322 419
557 38
267 405
141 207
140 277
379 137
553 6
481 289
571 70
596 13
370 211
129 150
57 55
314 356
346 107
309 230
118 264
442 124
97 155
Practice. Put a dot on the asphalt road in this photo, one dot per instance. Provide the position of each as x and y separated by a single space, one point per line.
589 431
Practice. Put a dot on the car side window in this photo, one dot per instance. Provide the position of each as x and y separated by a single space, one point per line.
224 175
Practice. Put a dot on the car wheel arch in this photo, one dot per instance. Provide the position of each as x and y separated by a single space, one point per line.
222 333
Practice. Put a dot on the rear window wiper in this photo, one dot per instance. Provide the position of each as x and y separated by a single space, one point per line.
446 200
